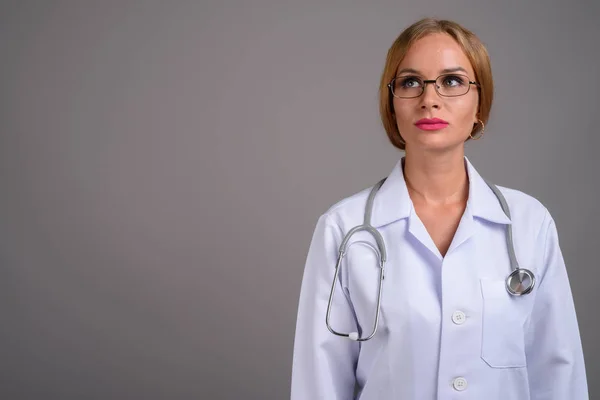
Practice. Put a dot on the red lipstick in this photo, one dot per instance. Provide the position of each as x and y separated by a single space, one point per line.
431 124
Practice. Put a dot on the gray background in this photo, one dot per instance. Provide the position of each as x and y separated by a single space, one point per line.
163 165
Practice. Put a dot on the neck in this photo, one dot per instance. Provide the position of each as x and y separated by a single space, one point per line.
436 180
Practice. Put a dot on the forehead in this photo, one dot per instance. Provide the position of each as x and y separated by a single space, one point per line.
435 52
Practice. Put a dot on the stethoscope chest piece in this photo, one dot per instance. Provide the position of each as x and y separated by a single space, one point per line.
521 281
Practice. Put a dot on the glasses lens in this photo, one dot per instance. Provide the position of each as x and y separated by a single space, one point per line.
452 85
407 86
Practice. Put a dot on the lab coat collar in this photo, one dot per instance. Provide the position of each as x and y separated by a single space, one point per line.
393 203
482 200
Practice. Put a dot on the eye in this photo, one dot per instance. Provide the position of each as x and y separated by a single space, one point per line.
410 82
453 81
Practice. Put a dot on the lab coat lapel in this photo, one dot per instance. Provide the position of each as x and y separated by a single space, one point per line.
481 203
393 203
464 231
418 230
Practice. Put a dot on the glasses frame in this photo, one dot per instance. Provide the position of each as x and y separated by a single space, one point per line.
426 81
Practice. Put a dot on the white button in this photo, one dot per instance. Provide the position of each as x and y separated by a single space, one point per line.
460 384
459 317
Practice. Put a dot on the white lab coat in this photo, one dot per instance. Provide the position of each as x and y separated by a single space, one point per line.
448 327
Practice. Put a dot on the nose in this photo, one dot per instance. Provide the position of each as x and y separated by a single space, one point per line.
430 97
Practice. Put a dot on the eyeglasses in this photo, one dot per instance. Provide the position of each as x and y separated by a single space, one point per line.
447 85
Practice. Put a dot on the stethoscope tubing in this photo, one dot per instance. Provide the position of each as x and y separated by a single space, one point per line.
514 281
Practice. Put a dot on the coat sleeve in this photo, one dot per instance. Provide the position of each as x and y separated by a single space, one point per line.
323 363
555 362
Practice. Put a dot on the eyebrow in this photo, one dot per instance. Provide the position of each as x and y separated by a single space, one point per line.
444 71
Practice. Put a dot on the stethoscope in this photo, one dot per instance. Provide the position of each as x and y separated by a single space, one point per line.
518 283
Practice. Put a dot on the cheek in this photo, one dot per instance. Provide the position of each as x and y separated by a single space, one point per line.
464 109
404 113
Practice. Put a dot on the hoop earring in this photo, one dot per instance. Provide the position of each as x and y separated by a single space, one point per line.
480 133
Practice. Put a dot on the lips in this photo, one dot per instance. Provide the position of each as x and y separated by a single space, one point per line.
431 124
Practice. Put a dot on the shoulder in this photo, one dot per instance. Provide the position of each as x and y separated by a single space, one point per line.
532 223
348 211
524 206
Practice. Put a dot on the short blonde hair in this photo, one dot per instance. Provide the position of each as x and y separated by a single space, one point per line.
471 45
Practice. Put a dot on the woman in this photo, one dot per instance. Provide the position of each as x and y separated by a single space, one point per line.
448 326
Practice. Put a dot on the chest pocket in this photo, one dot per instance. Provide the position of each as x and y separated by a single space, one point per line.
504 318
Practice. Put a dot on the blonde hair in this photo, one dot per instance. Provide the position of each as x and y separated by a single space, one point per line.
471 45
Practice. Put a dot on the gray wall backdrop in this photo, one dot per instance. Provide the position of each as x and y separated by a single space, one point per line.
163 164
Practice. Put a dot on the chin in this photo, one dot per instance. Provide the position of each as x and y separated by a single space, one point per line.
437 142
